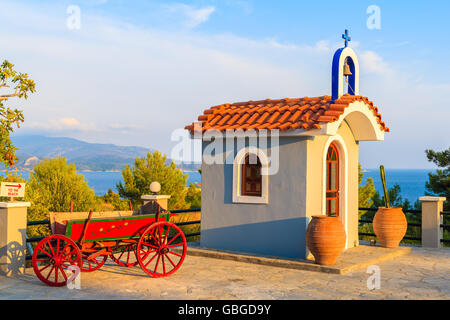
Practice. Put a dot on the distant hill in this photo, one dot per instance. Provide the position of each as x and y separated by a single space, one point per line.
86 156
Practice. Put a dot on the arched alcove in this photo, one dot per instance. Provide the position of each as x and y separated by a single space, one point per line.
337 82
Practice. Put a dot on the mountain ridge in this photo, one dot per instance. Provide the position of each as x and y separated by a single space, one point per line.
86 156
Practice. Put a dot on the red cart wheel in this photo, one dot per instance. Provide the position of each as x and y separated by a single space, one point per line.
124 256
161 249
93 264
52 257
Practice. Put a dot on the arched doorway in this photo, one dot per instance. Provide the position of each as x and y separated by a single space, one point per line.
332 181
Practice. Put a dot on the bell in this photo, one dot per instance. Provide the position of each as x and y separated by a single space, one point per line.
347 71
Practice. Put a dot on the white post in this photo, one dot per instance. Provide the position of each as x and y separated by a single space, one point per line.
13 230
431 221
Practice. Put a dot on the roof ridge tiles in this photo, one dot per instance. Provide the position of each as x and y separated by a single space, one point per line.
283 114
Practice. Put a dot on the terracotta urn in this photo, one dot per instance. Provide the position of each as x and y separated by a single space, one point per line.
325 238
389 225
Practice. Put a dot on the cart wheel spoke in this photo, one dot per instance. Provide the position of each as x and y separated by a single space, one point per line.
171 240
45 267
42 250
57 246
149 245
176 245
178 255
65 247
162 229
156 237
71 253
50 272
159 235
169 259
128 257
163 263
157 262
63 273
123 251
51 247
146 254
123 259
93 264
166 237
56 273
156 254
64 266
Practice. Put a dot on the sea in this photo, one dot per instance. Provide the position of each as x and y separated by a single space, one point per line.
411 181
102 181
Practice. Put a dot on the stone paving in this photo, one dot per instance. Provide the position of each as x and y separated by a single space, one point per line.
422 274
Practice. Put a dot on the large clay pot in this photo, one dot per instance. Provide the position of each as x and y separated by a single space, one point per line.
325 238
389 224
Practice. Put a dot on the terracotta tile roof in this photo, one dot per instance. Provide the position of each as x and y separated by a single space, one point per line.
284 114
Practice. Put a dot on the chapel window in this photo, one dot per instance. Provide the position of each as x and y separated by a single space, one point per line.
251 176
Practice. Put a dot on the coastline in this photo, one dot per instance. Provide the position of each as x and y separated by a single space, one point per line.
411 181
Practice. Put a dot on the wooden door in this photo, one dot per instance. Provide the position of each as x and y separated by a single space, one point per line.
332 182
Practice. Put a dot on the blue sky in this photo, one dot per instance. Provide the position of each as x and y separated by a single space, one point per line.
136 71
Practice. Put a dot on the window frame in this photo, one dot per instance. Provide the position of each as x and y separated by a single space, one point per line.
332 150
257 179
238 197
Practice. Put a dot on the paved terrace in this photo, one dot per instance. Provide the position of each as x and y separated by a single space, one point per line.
421 274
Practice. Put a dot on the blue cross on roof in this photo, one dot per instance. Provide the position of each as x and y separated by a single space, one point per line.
346 37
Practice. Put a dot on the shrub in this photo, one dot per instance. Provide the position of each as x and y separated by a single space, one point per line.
194 196
52 185
111 201
137 180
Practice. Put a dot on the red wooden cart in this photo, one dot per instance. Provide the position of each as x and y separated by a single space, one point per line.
151 241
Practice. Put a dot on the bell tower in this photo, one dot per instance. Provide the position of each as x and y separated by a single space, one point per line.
344 71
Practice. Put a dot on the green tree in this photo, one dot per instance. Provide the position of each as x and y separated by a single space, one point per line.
438 183
20 86
51 187
145 170
114 200
395 198
365 195
366 192
194 196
